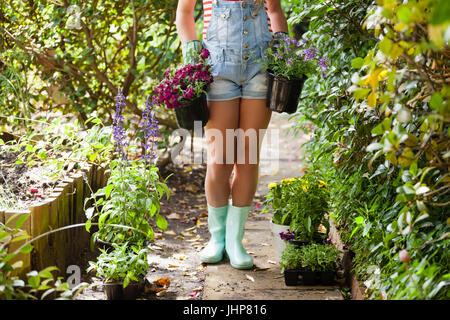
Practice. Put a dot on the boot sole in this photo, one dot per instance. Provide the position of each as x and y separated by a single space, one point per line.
242 267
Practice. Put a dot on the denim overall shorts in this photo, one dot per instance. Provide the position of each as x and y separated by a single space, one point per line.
237 38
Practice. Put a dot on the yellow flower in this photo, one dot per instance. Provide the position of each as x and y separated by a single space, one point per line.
272 185
322 184
288 180
305 188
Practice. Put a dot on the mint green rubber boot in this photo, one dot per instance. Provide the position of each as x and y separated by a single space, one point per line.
236 218
213 252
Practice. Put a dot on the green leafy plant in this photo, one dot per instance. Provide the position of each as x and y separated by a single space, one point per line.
124 264
300 203
131 198
132 194
291 257
313 257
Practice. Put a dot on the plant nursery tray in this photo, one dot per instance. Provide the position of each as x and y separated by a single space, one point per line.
296 277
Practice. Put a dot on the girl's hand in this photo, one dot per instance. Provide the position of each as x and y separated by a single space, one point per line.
191 51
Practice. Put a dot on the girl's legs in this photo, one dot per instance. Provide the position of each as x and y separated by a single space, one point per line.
253 115
223 115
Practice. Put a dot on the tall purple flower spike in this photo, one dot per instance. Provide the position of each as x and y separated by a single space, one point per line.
118 130
150 130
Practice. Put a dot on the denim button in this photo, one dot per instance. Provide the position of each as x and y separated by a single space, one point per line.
244 5
245 31
245 18
245 45
245 57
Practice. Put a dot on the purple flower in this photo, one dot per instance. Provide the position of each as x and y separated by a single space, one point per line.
150 130
310 53
118 130
289 235
204 54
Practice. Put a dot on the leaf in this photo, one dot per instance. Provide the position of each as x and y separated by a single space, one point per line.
361 93
250 278
359 220
372 99
404 14
385 45
422 190
357 63
26 249
436 101
108 190
89 212
161 222
441 12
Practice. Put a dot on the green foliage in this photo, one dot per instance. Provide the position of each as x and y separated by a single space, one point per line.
82 51
59 145
131 198
123 264
291 257
313 257
15 83
36 284
381 137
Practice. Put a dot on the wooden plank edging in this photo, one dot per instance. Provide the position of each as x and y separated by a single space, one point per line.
357 288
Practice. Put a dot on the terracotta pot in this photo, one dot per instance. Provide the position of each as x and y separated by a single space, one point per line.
192 110
283 94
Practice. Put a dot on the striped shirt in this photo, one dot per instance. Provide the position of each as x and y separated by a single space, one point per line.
207 11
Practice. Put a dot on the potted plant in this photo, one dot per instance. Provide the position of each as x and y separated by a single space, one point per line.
124 208
316 263
123 271
184 90
288 63
291 260
309 223
299 206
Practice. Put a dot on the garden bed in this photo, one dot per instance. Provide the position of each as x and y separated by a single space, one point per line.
21 185
49 205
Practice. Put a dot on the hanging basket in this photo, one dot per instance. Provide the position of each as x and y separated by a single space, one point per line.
283 94
192 110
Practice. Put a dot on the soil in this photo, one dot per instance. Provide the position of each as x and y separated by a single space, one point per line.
17 182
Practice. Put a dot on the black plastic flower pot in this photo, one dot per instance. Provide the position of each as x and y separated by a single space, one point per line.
113 291
283 94
133 291
191 111
309 278
116 291
291 277
327 278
